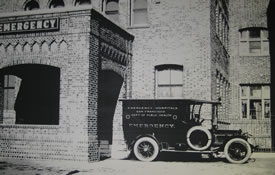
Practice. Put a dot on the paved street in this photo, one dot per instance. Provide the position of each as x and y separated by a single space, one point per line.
260 164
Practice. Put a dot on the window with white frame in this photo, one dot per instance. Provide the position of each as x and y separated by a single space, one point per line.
254 42
111 9
169 81
139 12
255 101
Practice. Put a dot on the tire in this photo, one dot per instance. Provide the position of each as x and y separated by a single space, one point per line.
237 151
199 138
146 149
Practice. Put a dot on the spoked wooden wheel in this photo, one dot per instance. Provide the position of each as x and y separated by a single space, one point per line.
237 150
146 149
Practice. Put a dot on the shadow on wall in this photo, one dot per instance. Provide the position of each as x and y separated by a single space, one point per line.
109 88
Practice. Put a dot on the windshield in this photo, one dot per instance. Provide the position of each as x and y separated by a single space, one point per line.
195 112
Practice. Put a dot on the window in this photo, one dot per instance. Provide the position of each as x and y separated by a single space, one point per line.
222 93
254 42
222 27
31 5
112 9
56 4
139 12
169 81
255 101
10 91
82 2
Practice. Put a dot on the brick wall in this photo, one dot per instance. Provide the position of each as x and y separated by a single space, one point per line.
75 49
248 69
178 33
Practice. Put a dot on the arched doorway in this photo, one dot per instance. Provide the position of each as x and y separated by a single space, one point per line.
32 92
109 88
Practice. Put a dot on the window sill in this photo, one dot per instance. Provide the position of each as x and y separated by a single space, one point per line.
254 55
29 126
141 26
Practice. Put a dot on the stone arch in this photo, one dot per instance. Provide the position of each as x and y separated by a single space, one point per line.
41 61
112 66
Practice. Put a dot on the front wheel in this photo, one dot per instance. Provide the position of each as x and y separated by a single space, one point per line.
237 150
146 149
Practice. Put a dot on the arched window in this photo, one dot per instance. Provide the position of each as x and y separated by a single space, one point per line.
56 4
169 80
254 42
112 9
31 5
139 12
30 94
82 2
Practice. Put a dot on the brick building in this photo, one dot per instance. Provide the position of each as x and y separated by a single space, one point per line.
250 70
182 49
56 67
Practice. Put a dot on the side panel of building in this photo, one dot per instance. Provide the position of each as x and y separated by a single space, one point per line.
68 51
250 69
178 32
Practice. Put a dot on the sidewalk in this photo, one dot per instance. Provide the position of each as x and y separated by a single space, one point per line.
263 155
262 163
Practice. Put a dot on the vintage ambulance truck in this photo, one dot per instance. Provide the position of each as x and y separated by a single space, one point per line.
152 126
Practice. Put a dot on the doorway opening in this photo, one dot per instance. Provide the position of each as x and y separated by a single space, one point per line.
109 88
30 94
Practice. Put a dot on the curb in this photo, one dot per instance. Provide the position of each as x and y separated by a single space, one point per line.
263 155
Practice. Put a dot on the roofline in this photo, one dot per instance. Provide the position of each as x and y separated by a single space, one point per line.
174 99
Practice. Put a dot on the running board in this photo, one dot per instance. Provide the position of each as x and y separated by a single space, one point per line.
187 151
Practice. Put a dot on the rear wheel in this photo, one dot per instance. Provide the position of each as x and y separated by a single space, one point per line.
237 150
146 149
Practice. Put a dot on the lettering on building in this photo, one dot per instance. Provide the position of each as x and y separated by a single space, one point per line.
29 26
